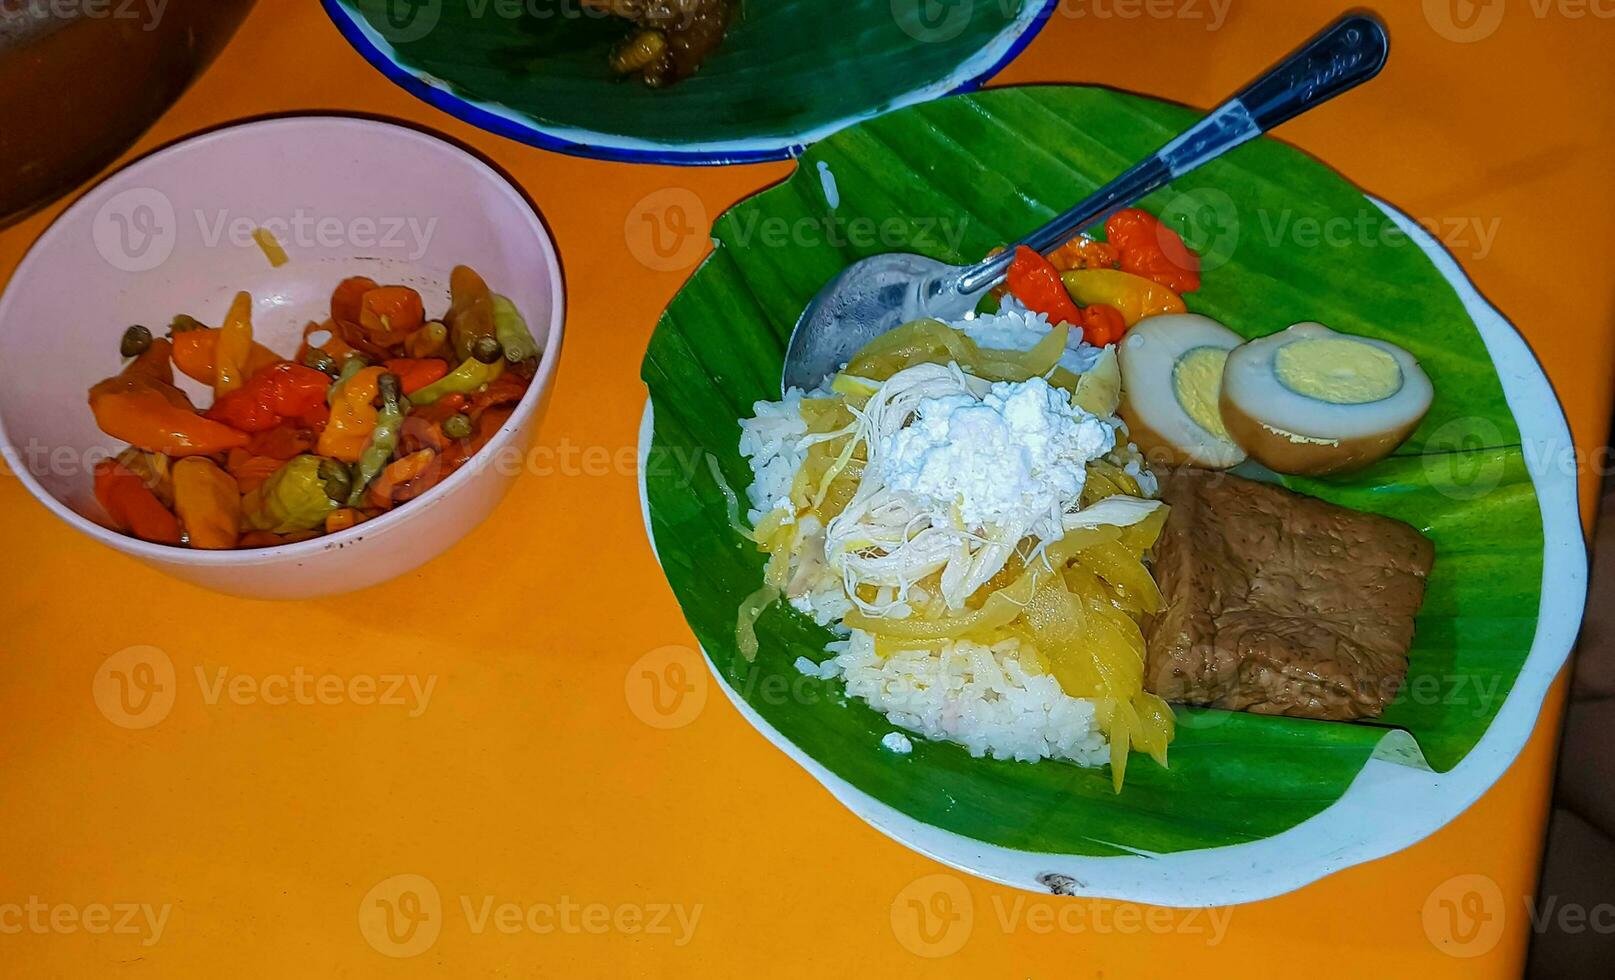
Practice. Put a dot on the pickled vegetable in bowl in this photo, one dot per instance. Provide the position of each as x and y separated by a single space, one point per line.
377 405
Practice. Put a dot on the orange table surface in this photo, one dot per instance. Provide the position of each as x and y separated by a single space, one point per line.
241 832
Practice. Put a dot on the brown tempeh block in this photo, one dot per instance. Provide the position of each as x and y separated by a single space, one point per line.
1281 604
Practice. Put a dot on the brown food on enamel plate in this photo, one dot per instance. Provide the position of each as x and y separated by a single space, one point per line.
1281 604
673 36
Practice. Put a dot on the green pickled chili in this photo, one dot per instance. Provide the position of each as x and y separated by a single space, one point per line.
511 330
383 438
297 496
350 367
463 380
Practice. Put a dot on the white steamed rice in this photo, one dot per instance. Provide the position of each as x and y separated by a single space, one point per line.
993 701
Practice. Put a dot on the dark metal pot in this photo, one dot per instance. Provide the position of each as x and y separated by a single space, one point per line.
80 80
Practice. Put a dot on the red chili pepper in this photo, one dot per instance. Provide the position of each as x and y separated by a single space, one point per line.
1152 250
131 504
275 394
1102 324
1036 283
416 373
283 442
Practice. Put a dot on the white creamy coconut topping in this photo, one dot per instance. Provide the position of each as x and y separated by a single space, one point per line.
1010 459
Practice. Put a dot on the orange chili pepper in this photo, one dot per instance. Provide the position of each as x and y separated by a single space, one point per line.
132 506
416 373
193 354
282 442
279 392
506 389
231 349
353 417
341 519
347 309
1083 252
249 470
388 314
1037 285
1102 324
421 433
347 298
488 423
451 404
208 502
141 406
1150 249
258 539
399 471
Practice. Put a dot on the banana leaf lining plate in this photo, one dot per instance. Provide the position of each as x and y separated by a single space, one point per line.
789 73
1251 806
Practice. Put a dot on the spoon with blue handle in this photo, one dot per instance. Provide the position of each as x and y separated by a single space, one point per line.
876 294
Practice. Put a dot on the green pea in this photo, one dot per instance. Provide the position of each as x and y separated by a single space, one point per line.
487 350
136 341
457 426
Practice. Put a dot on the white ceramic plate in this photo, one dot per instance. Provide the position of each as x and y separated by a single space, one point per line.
1389 806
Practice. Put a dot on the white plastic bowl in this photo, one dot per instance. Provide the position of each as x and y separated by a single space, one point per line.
172 234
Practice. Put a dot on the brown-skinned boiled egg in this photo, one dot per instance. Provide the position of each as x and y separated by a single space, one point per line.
1172 368
1311 401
